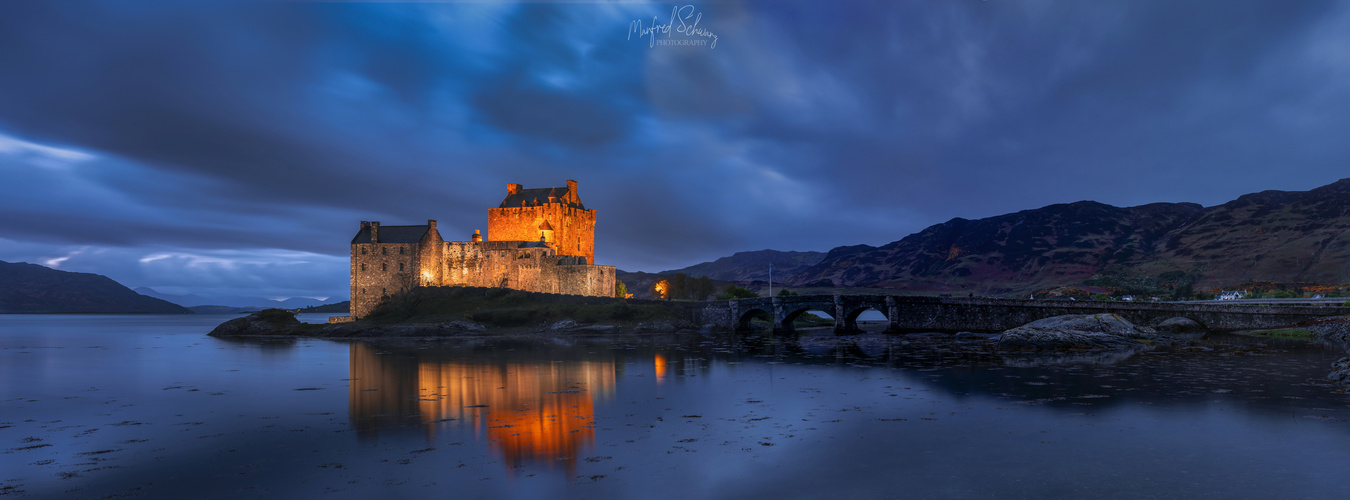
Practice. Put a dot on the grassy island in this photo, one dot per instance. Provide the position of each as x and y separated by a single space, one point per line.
506 308
442 311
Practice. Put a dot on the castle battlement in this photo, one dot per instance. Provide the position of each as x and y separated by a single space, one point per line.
542 240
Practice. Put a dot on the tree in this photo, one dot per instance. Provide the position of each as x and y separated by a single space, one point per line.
703 287
679 286
786 293
620 290
736 292
1183 292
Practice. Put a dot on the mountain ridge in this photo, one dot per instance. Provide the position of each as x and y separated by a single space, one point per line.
240 302
1284 236
33 289
753 265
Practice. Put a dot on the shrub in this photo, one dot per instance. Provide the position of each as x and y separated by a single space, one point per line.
736 292
277 316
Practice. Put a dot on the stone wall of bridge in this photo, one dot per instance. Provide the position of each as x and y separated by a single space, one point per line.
931 314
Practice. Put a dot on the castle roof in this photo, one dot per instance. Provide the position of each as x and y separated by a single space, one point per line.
394 234
539 196
545 226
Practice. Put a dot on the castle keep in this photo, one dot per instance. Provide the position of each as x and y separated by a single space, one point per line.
539 240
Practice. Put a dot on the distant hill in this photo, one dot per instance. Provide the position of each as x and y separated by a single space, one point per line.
752 266
1282 236
242 302
30 288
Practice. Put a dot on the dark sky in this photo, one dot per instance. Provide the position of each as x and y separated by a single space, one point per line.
233 147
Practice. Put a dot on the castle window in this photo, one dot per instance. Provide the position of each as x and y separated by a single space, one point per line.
384 267
400 266
363 267
384 291
363 250
384 250
363 290
400 250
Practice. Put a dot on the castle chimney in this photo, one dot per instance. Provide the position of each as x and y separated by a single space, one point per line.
477 237
432 224
512 189
374 231
572 191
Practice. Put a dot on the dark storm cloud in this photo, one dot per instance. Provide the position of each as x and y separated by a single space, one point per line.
217 91
206 127
555 84
1023 106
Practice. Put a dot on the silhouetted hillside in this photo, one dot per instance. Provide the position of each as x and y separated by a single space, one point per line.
751 266
1296 236
30 288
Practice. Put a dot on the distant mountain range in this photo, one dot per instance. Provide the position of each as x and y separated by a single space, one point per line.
1281 236
754 266
1277 236
30 288
239 302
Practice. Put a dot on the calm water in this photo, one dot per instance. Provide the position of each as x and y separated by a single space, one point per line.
97 406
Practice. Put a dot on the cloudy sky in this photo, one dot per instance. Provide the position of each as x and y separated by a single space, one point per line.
233 147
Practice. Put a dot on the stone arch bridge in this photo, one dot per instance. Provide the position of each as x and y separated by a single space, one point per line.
908 314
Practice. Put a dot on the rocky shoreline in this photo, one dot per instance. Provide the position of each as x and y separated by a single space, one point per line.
1056 340
1078 332
281 323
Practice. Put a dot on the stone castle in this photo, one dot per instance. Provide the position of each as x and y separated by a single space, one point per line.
542 240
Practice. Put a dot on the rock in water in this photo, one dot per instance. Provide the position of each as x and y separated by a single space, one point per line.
1340 372
264 322
1179 324
1077 331
1334 329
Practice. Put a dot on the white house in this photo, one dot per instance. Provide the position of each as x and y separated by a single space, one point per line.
1232 294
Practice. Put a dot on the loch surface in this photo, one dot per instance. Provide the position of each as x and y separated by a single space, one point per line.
93 406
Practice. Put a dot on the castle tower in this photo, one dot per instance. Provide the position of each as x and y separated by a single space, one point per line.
525 213
391 259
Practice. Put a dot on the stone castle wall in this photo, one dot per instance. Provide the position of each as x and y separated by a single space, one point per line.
514 258
511 264
383 269
573 228
379 270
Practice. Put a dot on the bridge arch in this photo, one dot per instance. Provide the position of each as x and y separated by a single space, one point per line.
743 322
852 314
787 324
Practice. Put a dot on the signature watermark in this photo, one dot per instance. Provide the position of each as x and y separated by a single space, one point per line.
681 30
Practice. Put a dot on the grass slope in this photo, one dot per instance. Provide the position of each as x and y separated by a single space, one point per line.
499 307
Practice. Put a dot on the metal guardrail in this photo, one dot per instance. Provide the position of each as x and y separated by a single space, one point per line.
1332 301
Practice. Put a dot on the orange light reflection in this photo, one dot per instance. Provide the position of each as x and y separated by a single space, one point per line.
540 413
660 363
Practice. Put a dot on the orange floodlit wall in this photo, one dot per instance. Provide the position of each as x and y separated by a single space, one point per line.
561 220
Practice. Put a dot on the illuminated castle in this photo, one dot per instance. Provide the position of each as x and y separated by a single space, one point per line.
542 240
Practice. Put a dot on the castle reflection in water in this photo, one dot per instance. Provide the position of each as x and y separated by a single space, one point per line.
542 413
